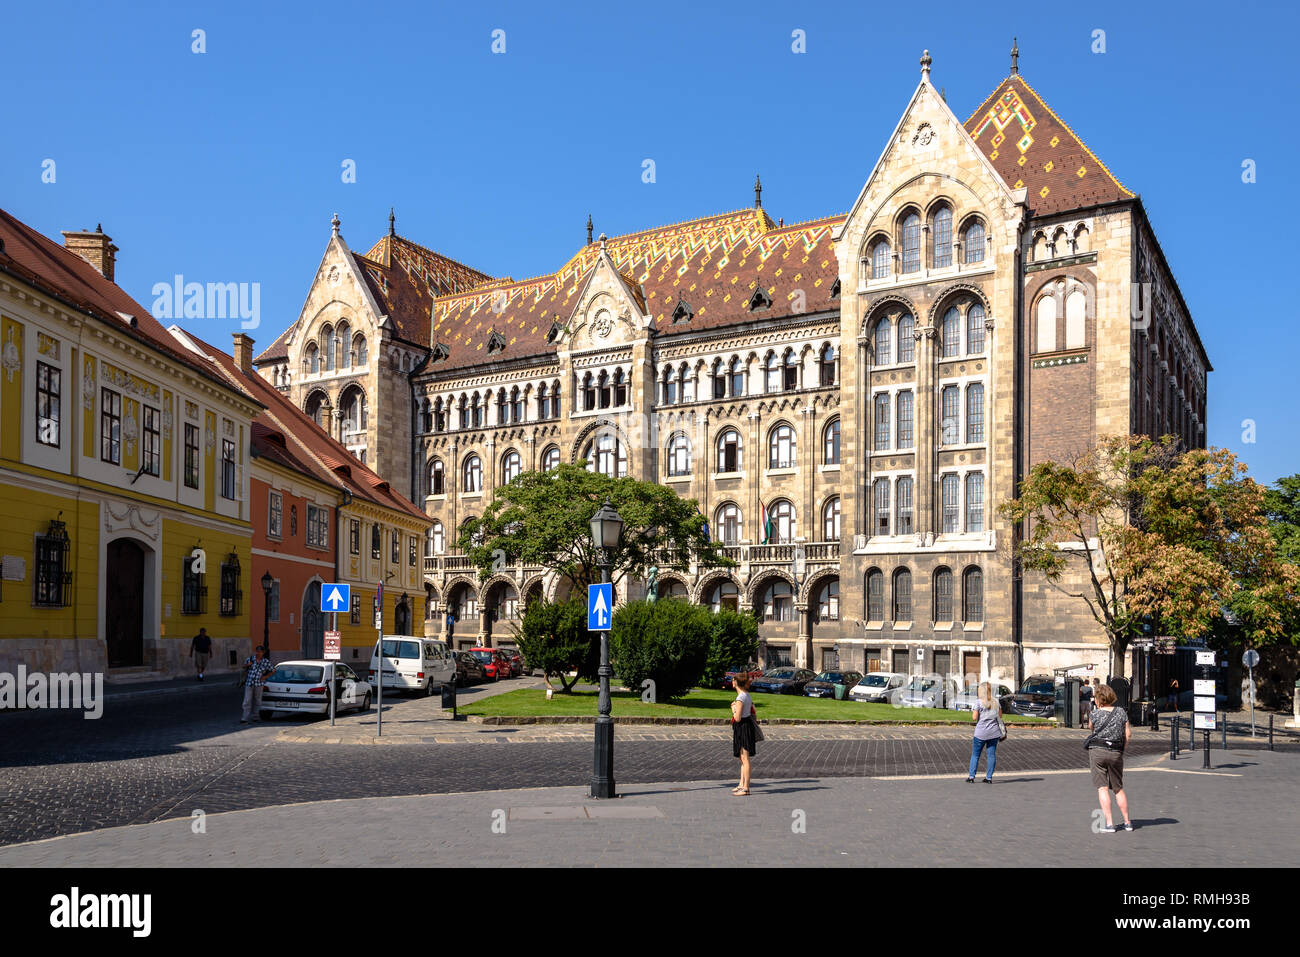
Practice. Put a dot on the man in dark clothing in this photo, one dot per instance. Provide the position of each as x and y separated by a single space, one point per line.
201 651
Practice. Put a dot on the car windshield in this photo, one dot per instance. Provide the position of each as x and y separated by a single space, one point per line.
1042 686
831 676
921 684
875 681
482 655
971 690
401 649
780 673
298 674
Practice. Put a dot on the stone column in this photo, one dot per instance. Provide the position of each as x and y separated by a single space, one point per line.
803 647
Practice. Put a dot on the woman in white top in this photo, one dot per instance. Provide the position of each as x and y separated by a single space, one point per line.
742 731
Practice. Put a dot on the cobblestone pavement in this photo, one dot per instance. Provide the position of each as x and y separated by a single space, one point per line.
803 820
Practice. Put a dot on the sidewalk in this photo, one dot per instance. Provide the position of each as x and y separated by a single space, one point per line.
1038 818
190 685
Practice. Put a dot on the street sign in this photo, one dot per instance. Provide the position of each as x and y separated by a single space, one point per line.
334 597
600 605
379 606
1203 686
1205 658
1203 722
1204 703
1165 646
1251 658
333 645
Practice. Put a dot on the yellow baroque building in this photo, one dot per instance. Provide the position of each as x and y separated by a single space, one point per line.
124 517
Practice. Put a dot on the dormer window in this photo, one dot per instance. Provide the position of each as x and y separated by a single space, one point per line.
496 342
683 312
553 333
835 288
759 300
440 352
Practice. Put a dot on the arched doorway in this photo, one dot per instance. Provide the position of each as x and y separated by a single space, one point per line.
124 603
313 623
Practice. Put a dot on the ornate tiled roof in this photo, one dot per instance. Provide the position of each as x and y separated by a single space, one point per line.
1031 147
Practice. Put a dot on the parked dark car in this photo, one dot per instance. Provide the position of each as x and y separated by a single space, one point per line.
1035 699
516 661
494 662
823 686
783 680
754 675
469 670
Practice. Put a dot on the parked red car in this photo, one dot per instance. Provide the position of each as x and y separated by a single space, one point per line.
516 661
726 679
494 662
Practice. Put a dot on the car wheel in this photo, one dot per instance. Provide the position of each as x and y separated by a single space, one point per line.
428 689
365 702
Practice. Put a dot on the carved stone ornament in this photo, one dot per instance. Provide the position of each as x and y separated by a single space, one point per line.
923 137
334 276
10 356
88 386
603 324
121 515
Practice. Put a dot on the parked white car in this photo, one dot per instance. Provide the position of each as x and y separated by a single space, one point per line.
303 686
413 665
928 691
881 687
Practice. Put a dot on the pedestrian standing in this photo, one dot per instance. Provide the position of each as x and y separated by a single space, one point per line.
201 651
1110 733
989 730
744 731
256 669
1173 694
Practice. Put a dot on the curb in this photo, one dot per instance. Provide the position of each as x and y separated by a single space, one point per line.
197 687
726 722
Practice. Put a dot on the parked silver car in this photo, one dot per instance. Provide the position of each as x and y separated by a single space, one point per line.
928 691
966 698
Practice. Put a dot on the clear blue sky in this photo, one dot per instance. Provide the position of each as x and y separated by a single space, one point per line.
226 166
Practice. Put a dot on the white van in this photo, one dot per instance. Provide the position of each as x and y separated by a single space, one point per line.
414 665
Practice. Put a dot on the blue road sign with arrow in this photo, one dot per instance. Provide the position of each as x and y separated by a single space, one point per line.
334 597
600 606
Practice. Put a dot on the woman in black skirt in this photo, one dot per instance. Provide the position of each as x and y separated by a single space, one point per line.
743 728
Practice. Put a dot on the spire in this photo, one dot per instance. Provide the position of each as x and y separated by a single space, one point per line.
392 222
335 223
589 229
1015 57
925 65
758 192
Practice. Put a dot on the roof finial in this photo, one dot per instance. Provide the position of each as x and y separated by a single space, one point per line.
925 65
1015 57
589 229
335 223
602 242
392 222
758 192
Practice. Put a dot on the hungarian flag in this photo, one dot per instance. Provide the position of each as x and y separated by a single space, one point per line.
768 531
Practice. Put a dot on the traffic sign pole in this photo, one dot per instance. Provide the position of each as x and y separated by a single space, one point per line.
334 626
1250 659
379 628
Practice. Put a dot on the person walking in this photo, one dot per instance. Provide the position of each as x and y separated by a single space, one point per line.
201 651
256 670
989 730
1110 733
744 731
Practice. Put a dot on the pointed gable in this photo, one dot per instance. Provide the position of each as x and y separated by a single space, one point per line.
1032 148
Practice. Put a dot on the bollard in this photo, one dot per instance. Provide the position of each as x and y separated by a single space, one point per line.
1225 731
1155 718
1191 733
1173 739
1270 732
1206 763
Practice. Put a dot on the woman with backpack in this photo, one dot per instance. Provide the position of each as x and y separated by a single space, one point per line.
1110 733
989 730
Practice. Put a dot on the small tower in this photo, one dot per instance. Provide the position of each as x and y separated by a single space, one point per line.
589 229
758 192
1015 57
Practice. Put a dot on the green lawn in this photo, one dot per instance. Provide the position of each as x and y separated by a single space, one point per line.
708 703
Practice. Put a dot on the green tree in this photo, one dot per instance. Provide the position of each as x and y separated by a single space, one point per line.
1282 505
665 641
733 643
553 636
542 518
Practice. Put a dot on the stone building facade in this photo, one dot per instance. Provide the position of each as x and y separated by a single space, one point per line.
848 399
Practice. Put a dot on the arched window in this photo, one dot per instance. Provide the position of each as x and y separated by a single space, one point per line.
719 376
903 506
426 416
906 418
437 478
360 354
327 345
686 383
777 601
831 520
344 336
942 594
724 594
516 406
670 386
906 338
974 243
772 373
550 458
975 502
510 467
902 595
828 601
606 455
880 407
781 448
831 444
829 368
875 595
737 377
376 542
781 527
588 392
729 524
555 399
473 474
729 451
880 500
884 342
439 540
975 329
941 230
951 333
1076 304
603 389
972 594
1045 340
503 409
912 242
543 408
356 417
790 381
464 412
315 408
975 412
880 259
311 359
620 388
679 455
475 411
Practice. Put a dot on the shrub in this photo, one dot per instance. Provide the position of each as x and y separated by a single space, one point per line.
667 642
733 643
553 636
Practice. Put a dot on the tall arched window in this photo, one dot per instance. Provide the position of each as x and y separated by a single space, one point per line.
1045 340
475 411
884 342
679 455
975 329
670 386
516 406
942 232
511 466
327 345
912 242
686 383
719 376
543 400
781 448
311 358
360 353
439 539
829 368
729 524
831 520
437 479
426 416
875 595
729 451
620 388
951 333
772 373
344 337
777 601
464 412
880 260
724 594
737 377
902 595
974 243
790 371
550 458
555 399
473 474
315 408
972 594
942 594
606 455
588 392
1076 304
831 444
781 524
828 601
975 412
906 338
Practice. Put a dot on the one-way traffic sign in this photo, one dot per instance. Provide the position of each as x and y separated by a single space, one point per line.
334 597
600 605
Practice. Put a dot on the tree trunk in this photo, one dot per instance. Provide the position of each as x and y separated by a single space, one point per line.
1118 655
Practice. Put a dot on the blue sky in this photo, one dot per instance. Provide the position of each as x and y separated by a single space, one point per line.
226 166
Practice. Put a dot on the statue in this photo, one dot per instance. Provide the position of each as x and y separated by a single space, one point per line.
652 585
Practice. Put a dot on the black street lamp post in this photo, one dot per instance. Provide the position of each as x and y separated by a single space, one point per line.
267 582
606 531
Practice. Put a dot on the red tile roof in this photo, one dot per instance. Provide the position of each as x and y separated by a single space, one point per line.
1031 147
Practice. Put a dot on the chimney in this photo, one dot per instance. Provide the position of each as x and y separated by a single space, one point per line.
244 353
95 248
